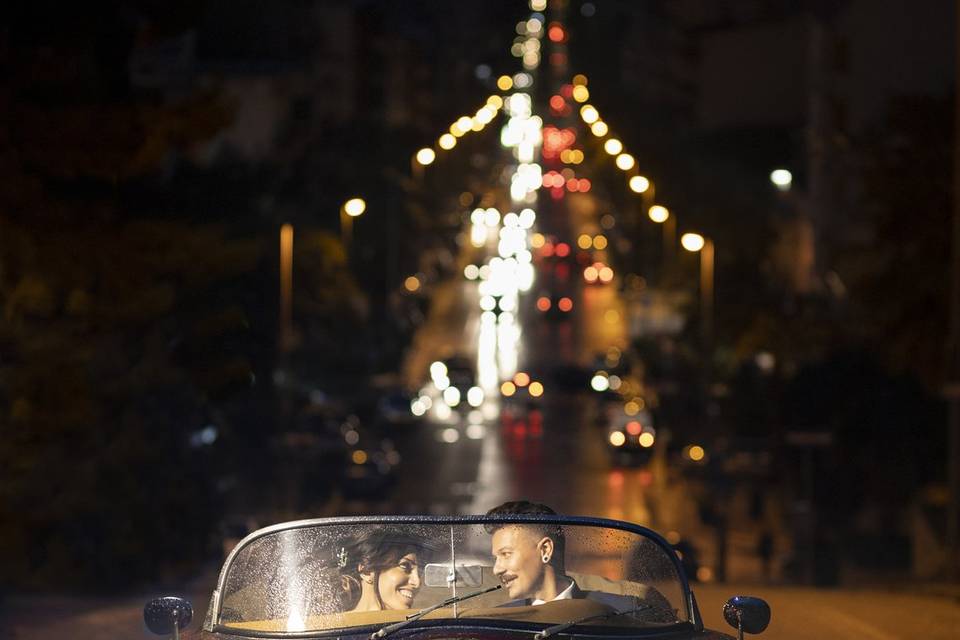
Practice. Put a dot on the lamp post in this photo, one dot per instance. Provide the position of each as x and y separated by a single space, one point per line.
422 158
350 209
696 243
286 286
661 215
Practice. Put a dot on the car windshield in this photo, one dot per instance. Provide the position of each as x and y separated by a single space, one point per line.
322 575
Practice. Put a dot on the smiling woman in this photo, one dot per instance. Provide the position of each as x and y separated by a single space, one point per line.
382 569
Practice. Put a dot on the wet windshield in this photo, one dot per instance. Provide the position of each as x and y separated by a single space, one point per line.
319 575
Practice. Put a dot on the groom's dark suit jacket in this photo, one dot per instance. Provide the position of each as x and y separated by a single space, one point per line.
661 611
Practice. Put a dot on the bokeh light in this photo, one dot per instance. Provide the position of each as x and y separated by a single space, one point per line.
426 156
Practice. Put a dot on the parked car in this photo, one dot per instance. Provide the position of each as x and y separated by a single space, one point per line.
296 579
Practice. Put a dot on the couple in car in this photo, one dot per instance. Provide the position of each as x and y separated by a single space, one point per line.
383 571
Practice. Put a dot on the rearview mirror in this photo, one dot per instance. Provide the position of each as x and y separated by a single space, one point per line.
166 615
746 614
437 574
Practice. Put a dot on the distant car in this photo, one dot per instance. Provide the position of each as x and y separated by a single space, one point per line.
292 579
462 372
598 273
555 306
631 439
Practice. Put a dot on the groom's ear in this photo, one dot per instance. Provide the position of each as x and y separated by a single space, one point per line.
545 548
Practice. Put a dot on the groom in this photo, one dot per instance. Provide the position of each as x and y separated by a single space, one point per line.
529 561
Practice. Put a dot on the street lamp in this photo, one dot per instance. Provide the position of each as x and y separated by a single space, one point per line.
625 161
639 184
351 209
661 215
422 158
696 243
613 146
782 179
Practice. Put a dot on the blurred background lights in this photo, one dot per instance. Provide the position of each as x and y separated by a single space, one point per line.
475 396
589 114
522 80
581 93
451 395
485 115
442 411
447 141
504 83
535 389
646 439
471 272
538 5
639 184
426 155
599 128
527 218
354 207
782 179
488 303
412 283
438 369
600 382
625 161
613 146
658 213
692 241
617 438
475 431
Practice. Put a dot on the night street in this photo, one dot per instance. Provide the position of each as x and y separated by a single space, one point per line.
515 319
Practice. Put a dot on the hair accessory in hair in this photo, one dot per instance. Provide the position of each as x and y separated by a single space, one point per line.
342 557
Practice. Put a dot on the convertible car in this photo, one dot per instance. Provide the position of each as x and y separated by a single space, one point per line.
315 579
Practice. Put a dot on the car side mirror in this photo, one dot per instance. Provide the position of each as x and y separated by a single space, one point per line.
746 614
166 615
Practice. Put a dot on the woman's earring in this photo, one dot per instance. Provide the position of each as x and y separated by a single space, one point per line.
546 559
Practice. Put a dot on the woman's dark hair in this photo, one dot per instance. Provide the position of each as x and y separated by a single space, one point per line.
375 550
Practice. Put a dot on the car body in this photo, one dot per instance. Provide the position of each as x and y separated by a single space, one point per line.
290 579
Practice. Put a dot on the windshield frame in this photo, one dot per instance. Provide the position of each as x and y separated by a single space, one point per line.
212 619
